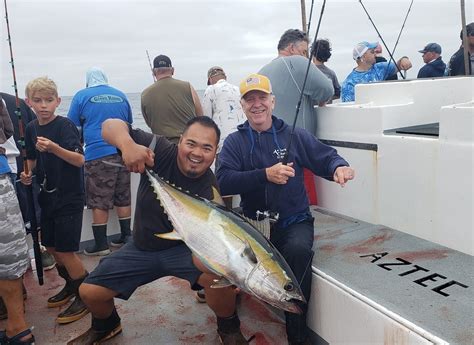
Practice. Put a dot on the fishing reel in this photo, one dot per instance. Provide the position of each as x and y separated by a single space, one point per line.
270 215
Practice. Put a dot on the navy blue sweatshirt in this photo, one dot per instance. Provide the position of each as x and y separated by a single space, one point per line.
432 69
245 155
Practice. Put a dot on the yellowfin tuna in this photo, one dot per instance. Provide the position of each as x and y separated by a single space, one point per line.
229 246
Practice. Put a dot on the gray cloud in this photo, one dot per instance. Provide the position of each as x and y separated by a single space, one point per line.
62 39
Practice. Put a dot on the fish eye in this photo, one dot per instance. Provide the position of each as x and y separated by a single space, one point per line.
289 287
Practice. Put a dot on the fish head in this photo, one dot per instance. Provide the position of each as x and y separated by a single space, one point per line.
271 284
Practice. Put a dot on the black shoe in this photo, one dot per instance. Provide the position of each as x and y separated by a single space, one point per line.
77 310
61 298
95 250
91 336
119 242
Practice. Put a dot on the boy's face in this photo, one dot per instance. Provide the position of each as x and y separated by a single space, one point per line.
44 104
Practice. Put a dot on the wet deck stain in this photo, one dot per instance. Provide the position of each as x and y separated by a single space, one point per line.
328 235
196 339
260 339
429 254
371 244
328 247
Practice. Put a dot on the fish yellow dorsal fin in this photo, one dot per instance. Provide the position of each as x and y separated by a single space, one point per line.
173 236
221 283
216 197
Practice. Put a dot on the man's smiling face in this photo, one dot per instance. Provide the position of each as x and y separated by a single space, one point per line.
196 150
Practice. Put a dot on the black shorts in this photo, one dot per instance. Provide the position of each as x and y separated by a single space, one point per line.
62 232
126 269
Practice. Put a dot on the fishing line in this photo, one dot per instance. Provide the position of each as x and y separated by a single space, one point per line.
151 67
298 106
29 188
381 38
399 34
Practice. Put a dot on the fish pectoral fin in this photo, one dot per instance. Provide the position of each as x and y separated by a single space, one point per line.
221 283
249 253
173 236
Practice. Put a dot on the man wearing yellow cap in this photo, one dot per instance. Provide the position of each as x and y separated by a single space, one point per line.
250 165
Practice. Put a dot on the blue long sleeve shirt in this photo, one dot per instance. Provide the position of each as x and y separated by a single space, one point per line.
246 154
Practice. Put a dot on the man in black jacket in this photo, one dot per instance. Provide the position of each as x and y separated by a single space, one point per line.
456 64
435 66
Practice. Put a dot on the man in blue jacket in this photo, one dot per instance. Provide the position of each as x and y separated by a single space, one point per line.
250 165
435 66
107 185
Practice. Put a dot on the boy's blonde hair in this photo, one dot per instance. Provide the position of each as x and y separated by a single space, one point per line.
41 84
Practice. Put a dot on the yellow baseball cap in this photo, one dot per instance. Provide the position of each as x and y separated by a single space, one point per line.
255 82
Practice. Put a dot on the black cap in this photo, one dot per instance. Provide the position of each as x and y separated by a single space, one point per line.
161 61
469 30
431 47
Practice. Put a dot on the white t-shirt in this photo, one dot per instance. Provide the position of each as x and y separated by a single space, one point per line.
222 104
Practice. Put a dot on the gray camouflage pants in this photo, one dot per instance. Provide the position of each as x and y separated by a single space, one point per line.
13 248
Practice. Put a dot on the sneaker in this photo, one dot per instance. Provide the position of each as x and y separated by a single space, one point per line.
77 310
234 338
48 261
201 296
96 251
91 336
119 242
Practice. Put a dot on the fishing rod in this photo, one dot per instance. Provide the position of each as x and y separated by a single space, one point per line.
399 34
310 16
381 38
29 188
151 67
272 214
298 106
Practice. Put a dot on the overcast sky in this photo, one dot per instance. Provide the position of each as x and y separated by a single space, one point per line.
63 38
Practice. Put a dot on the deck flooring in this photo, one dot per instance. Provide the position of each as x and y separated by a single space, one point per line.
163 312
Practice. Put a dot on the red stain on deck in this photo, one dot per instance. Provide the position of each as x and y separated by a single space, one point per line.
328 247
261 340
430 254
211 320
197 339
370 244
328 235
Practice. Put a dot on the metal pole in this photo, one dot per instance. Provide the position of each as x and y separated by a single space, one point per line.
303 16
464 38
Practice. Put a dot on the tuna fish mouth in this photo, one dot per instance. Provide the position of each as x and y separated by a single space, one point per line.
293 306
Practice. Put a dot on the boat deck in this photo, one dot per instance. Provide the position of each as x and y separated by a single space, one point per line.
163 312
421 283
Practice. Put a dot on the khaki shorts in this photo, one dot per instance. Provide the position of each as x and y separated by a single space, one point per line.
106 185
